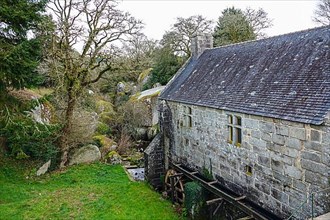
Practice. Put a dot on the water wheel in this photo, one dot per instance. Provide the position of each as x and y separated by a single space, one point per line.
174 186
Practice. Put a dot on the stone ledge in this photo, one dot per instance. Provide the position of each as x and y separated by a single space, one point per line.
322 217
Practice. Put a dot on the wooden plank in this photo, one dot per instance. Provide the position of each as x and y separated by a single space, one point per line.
246 218
216 210
209 202
240 198
172 189
210 183
243 206
176 175
178 189
130 166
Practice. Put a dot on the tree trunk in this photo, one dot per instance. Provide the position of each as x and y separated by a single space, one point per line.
66 130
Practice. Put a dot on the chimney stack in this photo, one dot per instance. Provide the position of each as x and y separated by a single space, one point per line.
200 43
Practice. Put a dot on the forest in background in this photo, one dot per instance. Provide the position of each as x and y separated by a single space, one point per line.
83 62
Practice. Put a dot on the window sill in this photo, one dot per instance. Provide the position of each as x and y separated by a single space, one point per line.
248 174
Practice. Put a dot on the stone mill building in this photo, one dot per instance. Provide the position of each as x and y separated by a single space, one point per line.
258 114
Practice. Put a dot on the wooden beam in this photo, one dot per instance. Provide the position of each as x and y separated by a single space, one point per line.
209 202
240 198
216 210
227 196
210 183
172 190
175 175
246 218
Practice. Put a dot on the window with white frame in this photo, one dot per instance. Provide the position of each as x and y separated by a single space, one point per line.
234 130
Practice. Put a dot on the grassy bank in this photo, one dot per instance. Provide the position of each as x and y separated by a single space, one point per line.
96 191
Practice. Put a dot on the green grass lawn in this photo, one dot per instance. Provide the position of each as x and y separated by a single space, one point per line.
96 191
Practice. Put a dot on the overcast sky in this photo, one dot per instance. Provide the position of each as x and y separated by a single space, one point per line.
159 15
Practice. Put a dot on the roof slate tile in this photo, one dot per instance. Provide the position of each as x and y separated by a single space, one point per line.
285 77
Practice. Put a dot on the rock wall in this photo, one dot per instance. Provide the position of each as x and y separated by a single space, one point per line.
277 165
154 163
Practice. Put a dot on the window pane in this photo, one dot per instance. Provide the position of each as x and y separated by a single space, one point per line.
248 170
238 120
230 119
230 133
189 110
189 121
238 135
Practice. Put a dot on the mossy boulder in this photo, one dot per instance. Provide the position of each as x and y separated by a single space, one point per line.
148 99
126 88
105 111
152 132
104 106
136 158
87 154
144 76
105 144
113 158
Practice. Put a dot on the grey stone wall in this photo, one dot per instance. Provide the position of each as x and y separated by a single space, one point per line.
200 43
289 160
154 163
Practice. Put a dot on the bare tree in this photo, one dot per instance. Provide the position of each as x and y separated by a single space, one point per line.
139 51
322 13
182 32
82 49
258 20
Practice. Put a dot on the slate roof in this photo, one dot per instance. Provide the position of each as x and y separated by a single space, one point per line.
285 77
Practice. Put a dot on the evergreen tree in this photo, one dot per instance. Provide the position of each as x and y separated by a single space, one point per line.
166 65
232 27
20 49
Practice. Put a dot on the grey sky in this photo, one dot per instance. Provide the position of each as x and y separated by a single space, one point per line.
158 16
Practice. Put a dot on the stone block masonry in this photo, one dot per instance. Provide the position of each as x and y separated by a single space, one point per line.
287 160
154 163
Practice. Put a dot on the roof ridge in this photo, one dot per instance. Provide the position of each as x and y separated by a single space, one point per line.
269 38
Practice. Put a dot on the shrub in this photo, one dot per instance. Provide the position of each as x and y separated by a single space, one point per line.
102 128
27 138
195 199
133 115
124 144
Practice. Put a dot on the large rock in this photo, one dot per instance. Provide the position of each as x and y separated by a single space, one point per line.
41 113
44 168
144 77
106 145
120 87
148 99
87 154
113 158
